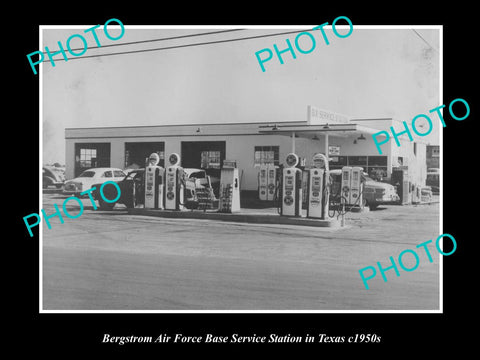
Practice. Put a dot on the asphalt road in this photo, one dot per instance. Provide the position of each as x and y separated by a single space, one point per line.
115 261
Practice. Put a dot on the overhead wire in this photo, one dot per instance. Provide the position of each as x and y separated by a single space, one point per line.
185 45
161 39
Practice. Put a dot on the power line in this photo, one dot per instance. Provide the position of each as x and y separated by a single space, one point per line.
185 45
161 39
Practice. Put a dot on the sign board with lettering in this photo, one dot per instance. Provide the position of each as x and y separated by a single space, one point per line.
316 116
333 150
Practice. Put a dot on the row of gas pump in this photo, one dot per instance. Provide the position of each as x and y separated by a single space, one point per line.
165 188
287 184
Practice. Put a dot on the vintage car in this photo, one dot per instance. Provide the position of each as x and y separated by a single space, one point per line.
374 192
53 176
91 177
132 188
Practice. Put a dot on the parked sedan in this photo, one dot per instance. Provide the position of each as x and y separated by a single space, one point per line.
91 177
377 193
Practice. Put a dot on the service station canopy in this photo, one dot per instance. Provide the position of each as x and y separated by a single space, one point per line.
344 130
309 131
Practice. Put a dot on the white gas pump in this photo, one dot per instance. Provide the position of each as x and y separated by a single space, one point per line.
346 184
271 181
229 201
352 185
263 182
174 184
154 175
267 178
318 196
291 187
356 196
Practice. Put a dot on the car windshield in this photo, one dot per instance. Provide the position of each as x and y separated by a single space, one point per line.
118 173
197 174
134 174
87 174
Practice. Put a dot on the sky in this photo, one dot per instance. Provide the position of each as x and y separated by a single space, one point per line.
372 73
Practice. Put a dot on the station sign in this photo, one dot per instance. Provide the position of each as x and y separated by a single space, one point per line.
316 116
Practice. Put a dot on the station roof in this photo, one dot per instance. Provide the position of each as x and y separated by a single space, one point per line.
300 128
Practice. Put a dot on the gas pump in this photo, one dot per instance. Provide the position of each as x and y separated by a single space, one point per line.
262 182
356 196
346 184
154 183
318 196
291 187
400 179
229 188
352 185
271 181
267 178
174 184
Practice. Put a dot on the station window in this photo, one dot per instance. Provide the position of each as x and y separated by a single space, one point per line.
87 157
337 162
210 160
357 161
377 167
266 155
91 155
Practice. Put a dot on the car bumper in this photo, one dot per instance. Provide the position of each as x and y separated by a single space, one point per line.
387 199
70 192
72 189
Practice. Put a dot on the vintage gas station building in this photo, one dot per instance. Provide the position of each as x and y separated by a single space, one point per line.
344 140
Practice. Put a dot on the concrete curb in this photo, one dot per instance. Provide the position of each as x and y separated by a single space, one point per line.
257 218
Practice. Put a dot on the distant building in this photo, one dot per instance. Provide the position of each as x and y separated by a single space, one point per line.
433 156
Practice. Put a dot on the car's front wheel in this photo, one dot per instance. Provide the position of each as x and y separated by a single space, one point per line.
371 205
105 205
47 181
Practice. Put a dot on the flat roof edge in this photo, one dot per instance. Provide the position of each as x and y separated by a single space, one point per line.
195 124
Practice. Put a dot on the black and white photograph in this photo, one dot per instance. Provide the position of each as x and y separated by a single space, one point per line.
253 169
266 182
